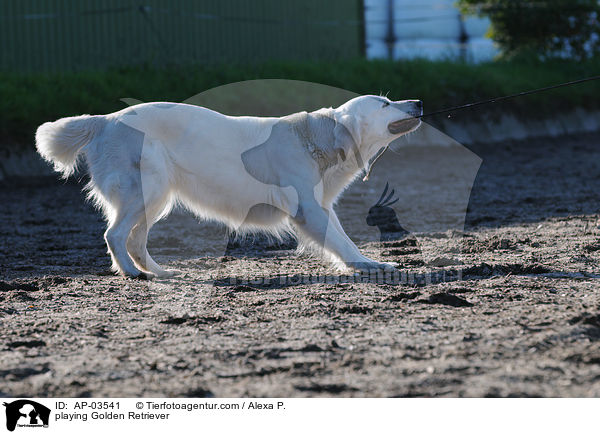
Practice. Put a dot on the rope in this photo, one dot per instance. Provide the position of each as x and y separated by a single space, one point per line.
503 98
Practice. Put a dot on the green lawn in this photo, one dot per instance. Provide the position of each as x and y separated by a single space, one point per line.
27 100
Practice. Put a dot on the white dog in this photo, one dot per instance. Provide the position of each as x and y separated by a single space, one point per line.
251 173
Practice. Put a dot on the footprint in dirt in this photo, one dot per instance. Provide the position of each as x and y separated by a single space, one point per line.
447 300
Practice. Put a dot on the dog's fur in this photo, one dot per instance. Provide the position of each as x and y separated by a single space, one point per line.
268 174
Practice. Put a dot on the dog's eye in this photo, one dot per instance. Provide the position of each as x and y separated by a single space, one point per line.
385 104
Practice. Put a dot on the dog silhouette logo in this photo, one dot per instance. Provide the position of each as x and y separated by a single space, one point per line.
26 413
384 217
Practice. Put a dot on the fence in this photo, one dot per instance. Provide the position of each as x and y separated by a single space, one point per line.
54 35
435 29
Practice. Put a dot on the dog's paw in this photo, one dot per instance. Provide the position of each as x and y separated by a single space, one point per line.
369 266
166 274
389 266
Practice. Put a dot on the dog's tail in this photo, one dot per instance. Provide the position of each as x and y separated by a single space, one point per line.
61 141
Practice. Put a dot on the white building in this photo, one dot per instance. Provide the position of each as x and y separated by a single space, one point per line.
431 29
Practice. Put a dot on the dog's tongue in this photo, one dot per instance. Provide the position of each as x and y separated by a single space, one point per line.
401 125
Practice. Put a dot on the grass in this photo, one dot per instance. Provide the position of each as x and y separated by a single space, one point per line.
27 100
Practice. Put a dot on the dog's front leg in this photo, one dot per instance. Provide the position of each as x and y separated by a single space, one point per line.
322 226
370 264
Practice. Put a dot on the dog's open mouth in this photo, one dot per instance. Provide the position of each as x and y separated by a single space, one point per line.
404 125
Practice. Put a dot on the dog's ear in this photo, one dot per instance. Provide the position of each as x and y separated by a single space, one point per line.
346 135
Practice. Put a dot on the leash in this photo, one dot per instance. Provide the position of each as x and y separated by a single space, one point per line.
514 95
483 102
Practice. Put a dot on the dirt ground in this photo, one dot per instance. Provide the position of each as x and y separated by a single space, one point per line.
523 319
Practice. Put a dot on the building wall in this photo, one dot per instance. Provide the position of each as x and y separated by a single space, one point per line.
54 35
425 28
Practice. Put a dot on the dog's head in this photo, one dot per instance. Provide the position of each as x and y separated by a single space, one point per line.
374 121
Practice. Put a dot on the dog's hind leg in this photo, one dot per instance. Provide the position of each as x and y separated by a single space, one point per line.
116 238
137 246
126 200
156 202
